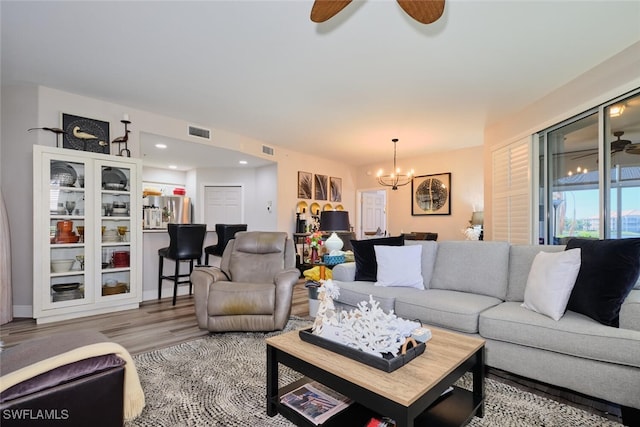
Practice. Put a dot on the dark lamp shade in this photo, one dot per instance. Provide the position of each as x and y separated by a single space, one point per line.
334 221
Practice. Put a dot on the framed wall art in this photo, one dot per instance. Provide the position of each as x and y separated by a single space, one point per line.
431 194
320 183
335 189
305 184
85 134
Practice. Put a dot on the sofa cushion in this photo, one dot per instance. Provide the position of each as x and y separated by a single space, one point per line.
551 279
609 271
399 266
429 252
365 256
454 310
472 266
520 260
352 293
575 334
630 311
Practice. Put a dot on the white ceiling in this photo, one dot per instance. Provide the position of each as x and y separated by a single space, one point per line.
342 89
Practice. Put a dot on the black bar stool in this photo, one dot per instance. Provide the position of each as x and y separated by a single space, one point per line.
185 244
225 233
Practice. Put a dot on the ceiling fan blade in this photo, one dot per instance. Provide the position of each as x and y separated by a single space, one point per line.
633 148
423 11
324 10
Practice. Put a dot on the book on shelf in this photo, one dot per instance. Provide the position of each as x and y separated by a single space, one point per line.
316 402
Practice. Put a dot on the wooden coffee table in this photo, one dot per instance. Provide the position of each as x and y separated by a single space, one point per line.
410 395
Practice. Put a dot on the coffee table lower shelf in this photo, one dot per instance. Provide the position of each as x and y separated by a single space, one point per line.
455 409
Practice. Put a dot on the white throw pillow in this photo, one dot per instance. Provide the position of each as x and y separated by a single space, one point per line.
550 282
399 266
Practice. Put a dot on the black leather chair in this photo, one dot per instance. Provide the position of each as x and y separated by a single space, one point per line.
416 235
225 233
186 241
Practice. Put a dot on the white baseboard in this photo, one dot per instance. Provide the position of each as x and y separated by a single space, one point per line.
167 291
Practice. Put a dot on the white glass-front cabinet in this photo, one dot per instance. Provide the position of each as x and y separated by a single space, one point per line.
87 239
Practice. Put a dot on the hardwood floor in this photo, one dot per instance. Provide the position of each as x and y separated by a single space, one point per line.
158 324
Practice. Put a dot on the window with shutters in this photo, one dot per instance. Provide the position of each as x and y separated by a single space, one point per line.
512 192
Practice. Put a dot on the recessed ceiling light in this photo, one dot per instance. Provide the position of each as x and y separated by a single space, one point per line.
243 162
173 167
616 110
161 146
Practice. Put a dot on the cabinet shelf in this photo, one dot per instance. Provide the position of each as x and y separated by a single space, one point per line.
68 273
65 217
116 192
66 245
115 269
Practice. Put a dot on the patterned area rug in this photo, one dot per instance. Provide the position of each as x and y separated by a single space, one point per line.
220 380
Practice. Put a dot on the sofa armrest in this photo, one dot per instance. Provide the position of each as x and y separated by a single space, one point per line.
202 278
630 311
345 272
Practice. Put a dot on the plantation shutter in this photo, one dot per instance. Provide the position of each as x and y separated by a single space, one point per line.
511 190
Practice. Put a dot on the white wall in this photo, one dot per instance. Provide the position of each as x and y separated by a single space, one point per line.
24 107
19 113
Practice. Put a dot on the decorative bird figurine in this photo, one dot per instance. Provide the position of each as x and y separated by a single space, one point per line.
123 139
57 131
82 135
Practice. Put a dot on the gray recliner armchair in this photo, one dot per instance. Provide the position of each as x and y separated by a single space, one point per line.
252 288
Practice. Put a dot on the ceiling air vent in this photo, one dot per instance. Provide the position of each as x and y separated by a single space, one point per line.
199 132
267 150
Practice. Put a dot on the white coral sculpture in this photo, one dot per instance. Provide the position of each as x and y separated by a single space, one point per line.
326 293
367 328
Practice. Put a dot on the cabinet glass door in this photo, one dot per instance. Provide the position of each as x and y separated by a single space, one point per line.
116 227
65 221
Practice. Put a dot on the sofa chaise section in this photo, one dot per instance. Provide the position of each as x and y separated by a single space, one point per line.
479 287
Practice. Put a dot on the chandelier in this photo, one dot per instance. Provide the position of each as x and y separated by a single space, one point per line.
395 179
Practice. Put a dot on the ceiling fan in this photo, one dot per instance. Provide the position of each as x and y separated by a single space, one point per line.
618 146
423 11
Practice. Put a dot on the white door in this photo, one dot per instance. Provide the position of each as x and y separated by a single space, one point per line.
373 214
223 205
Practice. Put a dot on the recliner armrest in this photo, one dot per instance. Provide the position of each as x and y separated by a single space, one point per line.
290 275
202 278
284 280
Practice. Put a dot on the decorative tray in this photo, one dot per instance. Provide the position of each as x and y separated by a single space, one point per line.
387 363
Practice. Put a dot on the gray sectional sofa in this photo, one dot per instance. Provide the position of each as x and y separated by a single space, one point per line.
477 288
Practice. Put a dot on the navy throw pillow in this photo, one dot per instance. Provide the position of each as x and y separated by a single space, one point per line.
608 271
365 256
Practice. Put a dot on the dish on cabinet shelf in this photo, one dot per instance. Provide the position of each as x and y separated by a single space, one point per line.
62 287
113 179
63 174
70 238
62 265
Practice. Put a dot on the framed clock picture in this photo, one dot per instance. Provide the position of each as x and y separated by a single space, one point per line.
85 134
